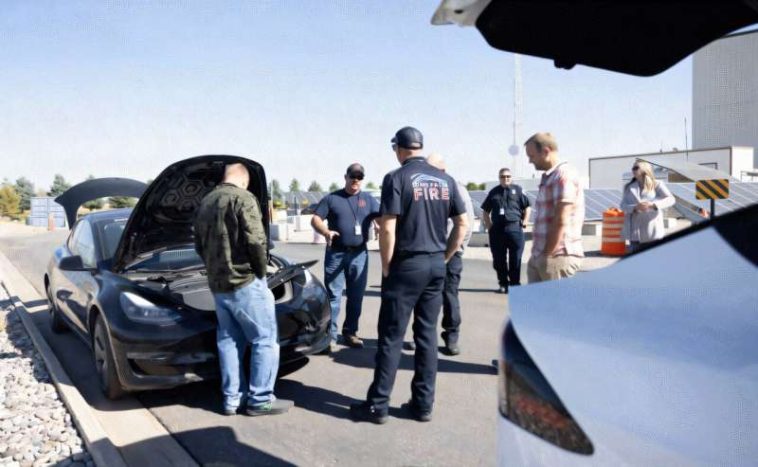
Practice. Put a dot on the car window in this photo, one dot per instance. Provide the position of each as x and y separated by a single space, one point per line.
110 232
84 244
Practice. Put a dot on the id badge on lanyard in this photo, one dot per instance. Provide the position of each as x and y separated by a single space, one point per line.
357 229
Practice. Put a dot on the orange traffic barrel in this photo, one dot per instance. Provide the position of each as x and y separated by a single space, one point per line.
613 243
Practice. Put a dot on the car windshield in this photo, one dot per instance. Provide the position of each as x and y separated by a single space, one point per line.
169 259
110 231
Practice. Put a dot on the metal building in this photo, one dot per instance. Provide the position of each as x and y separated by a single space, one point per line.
614 171
41 208
725 93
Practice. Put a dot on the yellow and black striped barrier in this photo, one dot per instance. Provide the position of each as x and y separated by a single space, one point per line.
712 189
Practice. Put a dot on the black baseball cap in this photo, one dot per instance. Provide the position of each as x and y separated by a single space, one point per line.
408 138
355 169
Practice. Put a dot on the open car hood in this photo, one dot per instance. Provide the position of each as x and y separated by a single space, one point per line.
164 215
637 38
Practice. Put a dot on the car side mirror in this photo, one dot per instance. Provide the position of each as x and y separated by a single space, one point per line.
72 263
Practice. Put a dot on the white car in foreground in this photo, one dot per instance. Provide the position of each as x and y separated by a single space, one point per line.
654 360
651 361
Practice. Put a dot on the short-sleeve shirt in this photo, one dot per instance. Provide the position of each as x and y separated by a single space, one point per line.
559 184
423 198
344 211
506 206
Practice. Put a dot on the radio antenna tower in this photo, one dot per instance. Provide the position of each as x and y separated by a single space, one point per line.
515 149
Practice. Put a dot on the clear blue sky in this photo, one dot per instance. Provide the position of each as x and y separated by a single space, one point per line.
124 87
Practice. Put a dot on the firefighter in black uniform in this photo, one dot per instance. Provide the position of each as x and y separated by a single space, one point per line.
505 213
417 200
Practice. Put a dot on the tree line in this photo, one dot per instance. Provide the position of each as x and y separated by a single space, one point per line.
16 198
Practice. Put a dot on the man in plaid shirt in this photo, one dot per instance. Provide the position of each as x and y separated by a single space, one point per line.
559 214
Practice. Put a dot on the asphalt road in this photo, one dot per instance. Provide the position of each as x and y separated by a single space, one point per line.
318 430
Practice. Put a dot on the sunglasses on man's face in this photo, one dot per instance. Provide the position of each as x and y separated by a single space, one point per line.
505 176
358 176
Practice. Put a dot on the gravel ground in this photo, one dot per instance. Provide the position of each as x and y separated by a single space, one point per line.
35 426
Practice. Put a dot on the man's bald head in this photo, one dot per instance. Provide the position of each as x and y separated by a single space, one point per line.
436 160
237 174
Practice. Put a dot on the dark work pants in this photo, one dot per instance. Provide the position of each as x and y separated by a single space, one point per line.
414 285
451 306
507 248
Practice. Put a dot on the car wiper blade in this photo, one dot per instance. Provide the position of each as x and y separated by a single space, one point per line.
164 271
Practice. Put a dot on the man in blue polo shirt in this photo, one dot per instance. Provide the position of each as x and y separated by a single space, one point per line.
417 200
348 213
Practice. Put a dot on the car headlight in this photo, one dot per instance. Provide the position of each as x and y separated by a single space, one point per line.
141 310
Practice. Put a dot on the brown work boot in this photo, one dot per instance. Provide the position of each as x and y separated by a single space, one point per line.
351 340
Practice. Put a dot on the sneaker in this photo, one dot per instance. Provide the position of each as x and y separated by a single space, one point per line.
274 407
329 349
351 340
501 289
230 410
365 412
410 345
451 348
416 413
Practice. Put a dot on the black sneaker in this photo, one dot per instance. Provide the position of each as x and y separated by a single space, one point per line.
501 289
451 348
416 413
275 407
365 412
410 345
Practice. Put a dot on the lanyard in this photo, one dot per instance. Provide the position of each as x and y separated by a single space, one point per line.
357 200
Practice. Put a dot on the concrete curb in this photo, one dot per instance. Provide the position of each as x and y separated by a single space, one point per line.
103 452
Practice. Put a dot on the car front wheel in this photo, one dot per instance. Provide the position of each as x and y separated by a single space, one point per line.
104 362
56 320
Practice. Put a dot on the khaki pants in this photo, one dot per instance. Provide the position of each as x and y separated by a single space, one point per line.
544 268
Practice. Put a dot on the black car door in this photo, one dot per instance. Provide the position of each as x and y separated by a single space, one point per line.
82 283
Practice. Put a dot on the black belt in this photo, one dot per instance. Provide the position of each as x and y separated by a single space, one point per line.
348 248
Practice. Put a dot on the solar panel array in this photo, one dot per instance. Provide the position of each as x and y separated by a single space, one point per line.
300 196
740 195
595 202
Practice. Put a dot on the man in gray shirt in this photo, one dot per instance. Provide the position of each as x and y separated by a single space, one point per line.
451 306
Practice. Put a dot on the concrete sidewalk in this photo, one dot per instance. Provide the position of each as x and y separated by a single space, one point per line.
116 433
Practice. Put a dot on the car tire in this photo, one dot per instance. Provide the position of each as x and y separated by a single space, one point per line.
57 323
105 365
291 367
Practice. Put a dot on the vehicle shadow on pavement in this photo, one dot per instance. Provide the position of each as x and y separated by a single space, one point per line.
364 358
315 399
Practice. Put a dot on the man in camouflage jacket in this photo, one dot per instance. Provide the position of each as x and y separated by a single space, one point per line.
230 238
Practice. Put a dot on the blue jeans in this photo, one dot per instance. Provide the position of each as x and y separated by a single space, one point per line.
341 267
247 315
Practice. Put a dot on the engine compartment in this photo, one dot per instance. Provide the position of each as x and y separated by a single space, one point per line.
192 291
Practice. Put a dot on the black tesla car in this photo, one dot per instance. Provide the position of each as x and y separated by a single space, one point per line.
129 282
